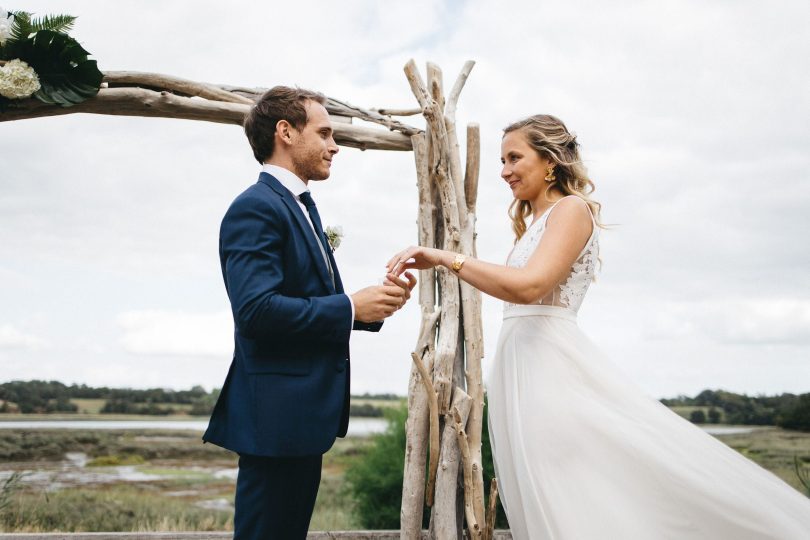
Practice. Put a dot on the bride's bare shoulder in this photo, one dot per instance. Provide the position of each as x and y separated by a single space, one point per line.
572 214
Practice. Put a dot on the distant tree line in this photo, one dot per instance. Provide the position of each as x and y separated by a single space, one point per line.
54 396
789 411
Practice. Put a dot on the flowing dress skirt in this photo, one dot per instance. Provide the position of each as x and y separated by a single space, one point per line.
582 453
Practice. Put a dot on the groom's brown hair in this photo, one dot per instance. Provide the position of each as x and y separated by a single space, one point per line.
278 103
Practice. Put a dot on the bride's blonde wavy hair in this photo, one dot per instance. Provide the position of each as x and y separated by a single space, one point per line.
551 140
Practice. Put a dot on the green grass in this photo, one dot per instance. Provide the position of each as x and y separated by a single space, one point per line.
49 445
773 448
109 508
88 406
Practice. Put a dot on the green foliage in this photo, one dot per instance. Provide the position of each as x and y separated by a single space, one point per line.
24 25
53 396
489 470
375 482
798 416
38 396
785 410
122 406
65 73
697 417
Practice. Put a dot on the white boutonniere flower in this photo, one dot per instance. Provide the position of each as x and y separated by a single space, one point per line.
334 234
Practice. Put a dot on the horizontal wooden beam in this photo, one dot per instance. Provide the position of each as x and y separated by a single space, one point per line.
165 104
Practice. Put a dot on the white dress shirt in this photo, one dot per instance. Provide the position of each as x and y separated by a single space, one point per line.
296 186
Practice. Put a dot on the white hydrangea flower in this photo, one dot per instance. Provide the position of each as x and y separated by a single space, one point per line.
18 80
6 20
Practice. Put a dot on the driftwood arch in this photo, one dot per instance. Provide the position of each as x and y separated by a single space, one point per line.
445 393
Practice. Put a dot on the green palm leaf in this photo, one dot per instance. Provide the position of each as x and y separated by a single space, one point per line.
65 73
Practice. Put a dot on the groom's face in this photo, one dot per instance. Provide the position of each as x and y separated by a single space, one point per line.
314 147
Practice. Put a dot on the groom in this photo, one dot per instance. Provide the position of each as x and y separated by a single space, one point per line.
286 396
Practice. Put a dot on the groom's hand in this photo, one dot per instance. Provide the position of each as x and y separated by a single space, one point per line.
407 286
378 302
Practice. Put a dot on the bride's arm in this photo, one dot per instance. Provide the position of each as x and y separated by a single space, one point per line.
568 228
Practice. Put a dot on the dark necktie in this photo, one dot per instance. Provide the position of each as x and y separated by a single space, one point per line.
309 203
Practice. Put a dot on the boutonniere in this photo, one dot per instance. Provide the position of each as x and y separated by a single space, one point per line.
334 234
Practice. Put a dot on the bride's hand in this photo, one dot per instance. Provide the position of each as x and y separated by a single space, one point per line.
416 257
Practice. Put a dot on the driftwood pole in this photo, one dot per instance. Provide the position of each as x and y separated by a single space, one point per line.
458 337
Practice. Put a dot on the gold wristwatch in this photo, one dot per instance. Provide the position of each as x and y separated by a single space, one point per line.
458 262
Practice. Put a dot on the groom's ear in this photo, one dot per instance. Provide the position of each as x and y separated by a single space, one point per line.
284 132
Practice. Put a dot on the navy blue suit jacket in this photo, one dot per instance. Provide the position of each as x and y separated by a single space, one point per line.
287 390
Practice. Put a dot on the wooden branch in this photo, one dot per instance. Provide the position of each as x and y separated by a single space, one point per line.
339 107
454 159
454 214
417 428
417 85
398 112
489 529
473 528
434 428
335 106
474 350
444 511
427 278
452 100
446 347
156 81
473 166
435 84
148 103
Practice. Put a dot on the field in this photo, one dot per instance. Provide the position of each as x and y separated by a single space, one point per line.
76 480
125 481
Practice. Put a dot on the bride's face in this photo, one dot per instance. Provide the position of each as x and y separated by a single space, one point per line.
523 168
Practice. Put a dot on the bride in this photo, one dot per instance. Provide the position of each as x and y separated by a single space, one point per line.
580 452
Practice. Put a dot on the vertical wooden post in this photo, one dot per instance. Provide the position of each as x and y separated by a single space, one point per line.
459 336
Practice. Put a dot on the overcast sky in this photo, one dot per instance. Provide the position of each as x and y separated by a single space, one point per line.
693 119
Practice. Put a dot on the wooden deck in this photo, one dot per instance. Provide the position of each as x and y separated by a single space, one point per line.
321 535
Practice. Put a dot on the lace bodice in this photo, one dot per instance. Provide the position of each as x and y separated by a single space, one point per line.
570 292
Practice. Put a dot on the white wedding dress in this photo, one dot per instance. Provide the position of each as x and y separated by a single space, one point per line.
582 453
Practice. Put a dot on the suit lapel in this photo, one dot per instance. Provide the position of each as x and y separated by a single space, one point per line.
303 224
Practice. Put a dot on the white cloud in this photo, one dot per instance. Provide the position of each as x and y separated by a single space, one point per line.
752 321
158 332
12 338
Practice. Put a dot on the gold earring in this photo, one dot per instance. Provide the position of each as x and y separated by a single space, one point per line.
550 177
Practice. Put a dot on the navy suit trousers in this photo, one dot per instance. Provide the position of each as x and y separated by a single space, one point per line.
275 497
